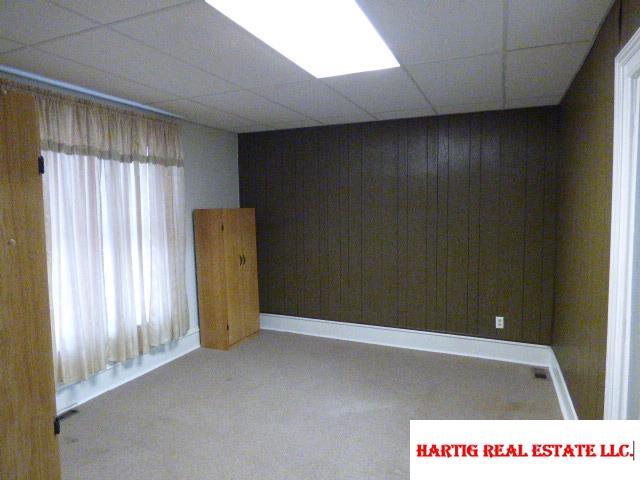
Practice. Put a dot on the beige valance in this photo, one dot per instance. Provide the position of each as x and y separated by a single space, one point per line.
80 128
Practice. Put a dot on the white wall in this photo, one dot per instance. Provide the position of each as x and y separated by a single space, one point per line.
211 177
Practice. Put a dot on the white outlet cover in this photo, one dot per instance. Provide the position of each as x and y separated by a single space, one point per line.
499 322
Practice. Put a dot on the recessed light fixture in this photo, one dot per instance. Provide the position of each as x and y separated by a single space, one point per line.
325 37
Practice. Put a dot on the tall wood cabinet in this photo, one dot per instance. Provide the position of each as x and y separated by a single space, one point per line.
28 446
227 271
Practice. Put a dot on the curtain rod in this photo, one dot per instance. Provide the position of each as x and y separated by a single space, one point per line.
84 91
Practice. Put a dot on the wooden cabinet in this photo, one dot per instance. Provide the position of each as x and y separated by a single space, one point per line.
28 446
227 270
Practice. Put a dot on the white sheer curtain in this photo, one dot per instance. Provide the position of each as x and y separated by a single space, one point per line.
114 206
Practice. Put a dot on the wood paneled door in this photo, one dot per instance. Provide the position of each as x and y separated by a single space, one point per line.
225 244
28 446
249 271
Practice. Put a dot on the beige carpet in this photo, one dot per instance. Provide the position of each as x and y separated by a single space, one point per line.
283 406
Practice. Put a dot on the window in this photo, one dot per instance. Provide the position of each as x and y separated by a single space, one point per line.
114 206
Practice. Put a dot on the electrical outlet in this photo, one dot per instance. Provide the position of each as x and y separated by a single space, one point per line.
499 322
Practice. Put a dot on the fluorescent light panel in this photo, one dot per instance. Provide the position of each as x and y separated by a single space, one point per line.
325 37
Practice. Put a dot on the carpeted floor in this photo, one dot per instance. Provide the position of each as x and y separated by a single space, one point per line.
283 406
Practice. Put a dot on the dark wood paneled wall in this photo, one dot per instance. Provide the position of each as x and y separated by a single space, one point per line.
584 215
437 223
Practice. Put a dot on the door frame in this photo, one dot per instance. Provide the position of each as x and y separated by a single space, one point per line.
624 272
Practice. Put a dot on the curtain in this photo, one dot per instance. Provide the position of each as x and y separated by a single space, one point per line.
115 220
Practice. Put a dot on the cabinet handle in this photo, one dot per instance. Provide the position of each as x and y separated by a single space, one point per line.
244 259
240 259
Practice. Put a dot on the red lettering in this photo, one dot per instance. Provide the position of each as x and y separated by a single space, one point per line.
446 450
501 450
615 451
471 450
553 449
516 451
421 450
567 450
624 450
487 451
434 451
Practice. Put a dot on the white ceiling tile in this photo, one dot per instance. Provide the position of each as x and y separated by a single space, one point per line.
7 45
456 82
249 105
544 22
313 99
57 68
543 71
33 21
203 37
108 50
380 91
206 115
353 118
254 128
420 112
470 107
107 11
170 50
297 124
533 102
419 31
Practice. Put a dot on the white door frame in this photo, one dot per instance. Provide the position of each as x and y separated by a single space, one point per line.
625 232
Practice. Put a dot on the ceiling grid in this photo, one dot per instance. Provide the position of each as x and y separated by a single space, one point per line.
184 57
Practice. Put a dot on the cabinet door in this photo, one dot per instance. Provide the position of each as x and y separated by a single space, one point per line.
233 260
28 446
210 270
249 271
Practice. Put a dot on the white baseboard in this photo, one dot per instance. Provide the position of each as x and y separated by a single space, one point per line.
564 398
514 352
501 350
70 396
